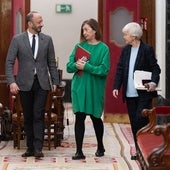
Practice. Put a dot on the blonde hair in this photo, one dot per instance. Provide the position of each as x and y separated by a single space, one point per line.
133 29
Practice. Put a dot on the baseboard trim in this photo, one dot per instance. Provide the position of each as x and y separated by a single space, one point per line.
116 118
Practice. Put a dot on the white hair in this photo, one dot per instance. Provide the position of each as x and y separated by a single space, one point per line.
133 29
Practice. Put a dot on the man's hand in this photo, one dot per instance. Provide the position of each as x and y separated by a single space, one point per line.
14 88
54 88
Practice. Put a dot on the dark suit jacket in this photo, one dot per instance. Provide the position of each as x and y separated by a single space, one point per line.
20 48
145 61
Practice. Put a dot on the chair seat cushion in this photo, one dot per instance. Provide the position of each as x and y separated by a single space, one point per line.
148 142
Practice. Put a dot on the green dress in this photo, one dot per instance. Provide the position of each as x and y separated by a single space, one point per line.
88 89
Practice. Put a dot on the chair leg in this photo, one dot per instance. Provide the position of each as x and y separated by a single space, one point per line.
58 134
14 136
19 137
55 135
49 136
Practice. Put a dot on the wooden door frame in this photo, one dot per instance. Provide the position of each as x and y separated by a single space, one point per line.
27 9
5 37
100 14
6 33
149 36
147 10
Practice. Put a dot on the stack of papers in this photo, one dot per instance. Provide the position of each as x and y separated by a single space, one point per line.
142 77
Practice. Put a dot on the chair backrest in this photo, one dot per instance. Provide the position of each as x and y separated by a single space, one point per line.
48 106
162 114
17 107
162 110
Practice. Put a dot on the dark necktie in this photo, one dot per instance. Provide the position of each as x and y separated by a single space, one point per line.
33 44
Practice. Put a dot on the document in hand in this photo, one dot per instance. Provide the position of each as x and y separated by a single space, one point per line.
83 54
142 77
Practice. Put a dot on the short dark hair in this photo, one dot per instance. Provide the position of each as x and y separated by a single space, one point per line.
94 25
30 16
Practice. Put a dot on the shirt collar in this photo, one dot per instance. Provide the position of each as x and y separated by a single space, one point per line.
30 34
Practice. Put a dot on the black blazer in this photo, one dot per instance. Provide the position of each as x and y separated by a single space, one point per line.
145 61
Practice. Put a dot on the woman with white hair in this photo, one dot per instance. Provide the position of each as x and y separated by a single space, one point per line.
136 55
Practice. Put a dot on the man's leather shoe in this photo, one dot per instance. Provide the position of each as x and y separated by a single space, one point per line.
134 157
78 156
28 153
38 154
100 152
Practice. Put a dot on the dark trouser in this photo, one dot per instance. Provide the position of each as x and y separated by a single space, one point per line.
33 104
135 105
80 130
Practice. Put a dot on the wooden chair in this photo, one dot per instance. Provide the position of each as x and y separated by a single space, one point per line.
51 127
17 121
3 143
51 122
153 140
58 108
1 109
1 112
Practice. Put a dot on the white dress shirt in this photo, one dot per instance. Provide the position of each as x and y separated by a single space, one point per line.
30 35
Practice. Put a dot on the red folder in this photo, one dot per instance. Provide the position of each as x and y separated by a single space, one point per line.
81 53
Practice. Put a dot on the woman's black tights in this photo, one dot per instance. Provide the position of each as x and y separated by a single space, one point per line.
80 130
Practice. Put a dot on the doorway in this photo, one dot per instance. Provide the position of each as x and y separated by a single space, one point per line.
112 16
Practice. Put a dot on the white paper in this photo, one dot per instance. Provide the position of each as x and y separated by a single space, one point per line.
139 76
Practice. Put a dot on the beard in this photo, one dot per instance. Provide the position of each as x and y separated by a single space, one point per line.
37 29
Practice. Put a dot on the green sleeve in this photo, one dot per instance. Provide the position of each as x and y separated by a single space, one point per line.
71 65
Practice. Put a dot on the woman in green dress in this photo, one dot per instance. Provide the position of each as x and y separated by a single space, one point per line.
88 88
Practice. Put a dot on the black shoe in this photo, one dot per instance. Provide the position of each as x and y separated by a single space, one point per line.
100 152
134 157
78 156
28 153
38 154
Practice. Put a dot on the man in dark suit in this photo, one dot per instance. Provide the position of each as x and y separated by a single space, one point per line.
36 61
136 55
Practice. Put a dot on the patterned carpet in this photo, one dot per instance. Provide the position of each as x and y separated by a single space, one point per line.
118 145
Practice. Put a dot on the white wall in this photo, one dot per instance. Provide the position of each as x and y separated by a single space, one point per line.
64 27
160 41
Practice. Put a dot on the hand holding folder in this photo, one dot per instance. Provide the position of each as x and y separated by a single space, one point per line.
141 78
